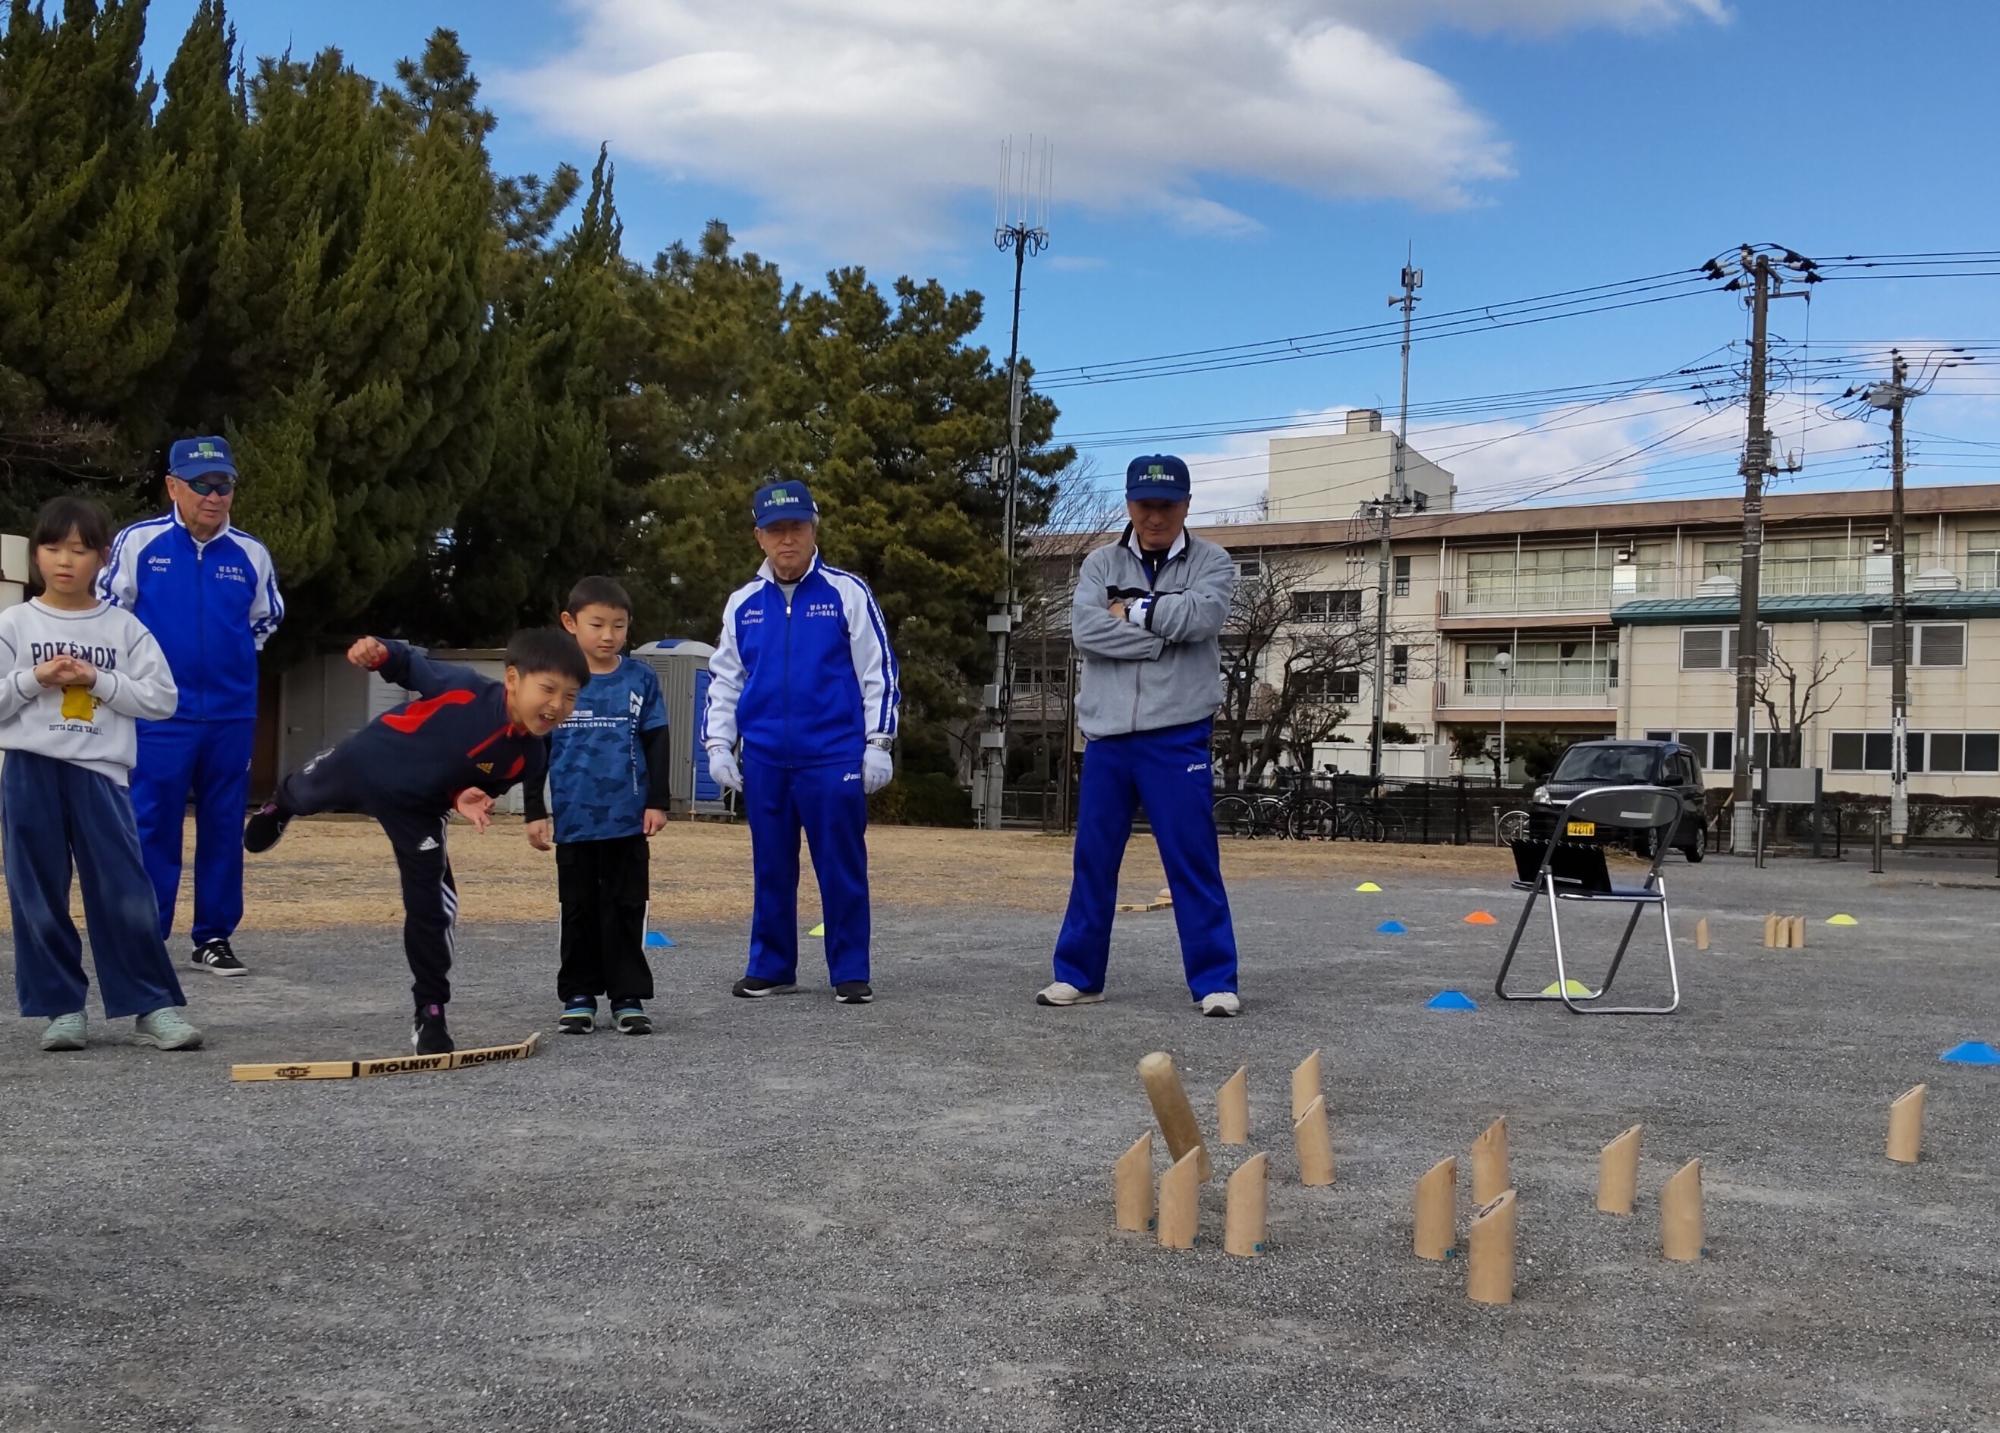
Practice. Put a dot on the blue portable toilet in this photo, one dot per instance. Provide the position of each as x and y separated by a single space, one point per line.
682 667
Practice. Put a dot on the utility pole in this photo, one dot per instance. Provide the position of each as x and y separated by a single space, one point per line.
1020 220
1756 462
1894 396
1398 502
1764 280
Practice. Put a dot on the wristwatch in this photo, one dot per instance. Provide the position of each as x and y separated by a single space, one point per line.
882 743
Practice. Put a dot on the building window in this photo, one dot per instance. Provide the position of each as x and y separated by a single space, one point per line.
1982 560
1332 686
1399 666
1249 569
1327 605
1402 577
1030 677
1932 644
1713 649
1949 753
1716 750
1803 564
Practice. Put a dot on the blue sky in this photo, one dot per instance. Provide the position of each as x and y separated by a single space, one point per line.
1256 171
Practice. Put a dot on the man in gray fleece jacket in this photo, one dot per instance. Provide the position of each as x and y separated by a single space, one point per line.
1147 613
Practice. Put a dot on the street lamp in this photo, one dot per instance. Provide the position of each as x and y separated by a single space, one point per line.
1503 662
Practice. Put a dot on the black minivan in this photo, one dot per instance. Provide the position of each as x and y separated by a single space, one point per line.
1612 762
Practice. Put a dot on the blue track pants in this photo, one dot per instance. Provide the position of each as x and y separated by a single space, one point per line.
829 806
52 813
211 760
1167 772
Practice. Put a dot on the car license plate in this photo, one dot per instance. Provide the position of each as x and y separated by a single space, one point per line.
1582 828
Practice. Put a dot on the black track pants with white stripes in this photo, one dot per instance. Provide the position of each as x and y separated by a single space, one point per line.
430 900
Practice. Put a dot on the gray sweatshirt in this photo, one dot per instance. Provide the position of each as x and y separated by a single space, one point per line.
1161 665
96 727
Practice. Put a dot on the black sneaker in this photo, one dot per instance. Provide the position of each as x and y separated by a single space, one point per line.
217 958
430 1035
631 1019
266 824
853 992
751 988
579 1017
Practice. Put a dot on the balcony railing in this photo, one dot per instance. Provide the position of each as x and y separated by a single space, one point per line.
1581 691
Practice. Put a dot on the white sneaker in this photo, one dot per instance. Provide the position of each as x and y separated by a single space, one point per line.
1222 1004
165 1029
65 1032
1063 993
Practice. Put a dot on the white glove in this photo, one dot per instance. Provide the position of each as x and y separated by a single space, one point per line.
722 769
1136 610
878 769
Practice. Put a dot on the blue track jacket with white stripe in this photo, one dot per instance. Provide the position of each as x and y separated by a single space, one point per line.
210 605
805 682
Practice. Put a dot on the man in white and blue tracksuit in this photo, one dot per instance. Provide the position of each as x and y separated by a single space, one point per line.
1147 614
209 595
803 677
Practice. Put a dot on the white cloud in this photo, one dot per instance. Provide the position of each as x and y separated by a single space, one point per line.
1645 445
878 119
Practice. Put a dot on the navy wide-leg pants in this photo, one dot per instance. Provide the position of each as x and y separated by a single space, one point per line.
52 813
1166 772
828 804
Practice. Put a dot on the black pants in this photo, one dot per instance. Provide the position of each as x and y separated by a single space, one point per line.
417 836
602 886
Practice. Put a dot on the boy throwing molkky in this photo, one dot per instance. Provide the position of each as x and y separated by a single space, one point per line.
462 743
608 768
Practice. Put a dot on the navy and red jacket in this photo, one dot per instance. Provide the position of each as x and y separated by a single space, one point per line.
457 735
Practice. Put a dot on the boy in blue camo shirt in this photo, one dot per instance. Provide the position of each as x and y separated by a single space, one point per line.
608 781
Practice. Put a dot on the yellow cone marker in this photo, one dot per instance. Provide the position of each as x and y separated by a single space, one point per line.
818 930
1842 920
1571 988
1370 887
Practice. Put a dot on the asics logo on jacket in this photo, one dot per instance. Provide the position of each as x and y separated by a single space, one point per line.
804 681
210 605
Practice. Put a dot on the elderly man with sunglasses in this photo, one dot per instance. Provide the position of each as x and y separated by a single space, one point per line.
209 594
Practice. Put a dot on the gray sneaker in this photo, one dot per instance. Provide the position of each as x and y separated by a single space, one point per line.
65 1032
165 1029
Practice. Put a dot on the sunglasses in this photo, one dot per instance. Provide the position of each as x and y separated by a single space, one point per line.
209 487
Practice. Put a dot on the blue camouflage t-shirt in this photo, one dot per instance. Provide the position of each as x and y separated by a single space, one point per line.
597 764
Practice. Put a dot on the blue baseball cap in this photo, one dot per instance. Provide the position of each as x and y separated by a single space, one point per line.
198 457
1161 477
787 501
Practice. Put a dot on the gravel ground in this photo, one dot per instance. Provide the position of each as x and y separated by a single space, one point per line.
792 1215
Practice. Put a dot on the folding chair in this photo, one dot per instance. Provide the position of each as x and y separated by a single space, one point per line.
1564 870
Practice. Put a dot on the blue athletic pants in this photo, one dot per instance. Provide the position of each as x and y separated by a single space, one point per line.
828 804
1167 772
53 812
211 759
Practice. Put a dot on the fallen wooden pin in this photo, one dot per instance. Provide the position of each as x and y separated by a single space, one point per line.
1248 1209
388 1065
1906 1125
1132 1185
1232 1109
1489 1163
1437 1211
1137 907
1489 1252
1618 1172
1172 1110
